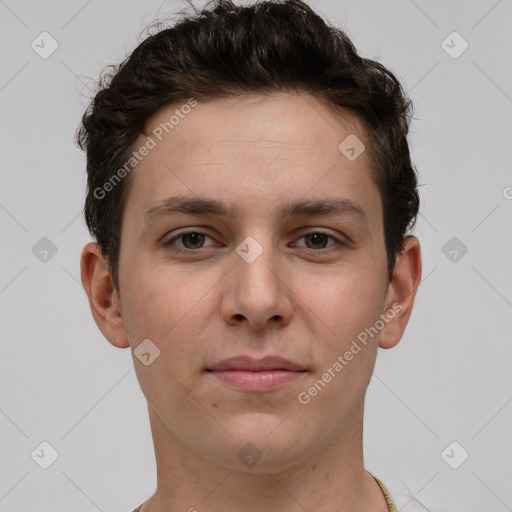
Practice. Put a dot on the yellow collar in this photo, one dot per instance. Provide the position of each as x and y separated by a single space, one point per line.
389 499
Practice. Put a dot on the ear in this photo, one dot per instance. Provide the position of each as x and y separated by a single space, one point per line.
103 299
401 292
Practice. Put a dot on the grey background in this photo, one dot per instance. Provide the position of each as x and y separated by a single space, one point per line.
449 378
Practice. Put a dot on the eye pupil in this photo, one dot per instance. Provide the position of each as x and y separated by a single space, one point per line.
196 238
317 238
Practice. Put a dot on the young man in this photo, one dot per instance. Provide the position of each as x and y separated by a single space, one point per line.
250 190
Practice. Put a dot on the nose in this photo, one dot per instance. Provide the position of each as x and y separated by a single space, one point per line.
256 290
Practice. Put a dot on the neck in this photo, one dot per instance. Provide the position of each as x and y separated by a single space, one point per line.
331 479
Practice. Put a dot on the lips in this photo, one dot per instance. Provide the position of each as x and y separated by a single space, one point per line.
246 363
247 374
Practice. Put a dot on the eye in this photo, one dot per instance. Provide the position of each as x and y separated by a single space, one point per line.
194 240
318 240
190 239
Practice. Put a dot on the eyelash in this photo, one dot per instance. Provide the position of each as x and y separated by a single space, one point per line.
169 243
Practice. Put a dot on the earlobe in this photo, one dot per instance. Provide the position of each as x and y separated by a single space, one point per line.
103 300
401 292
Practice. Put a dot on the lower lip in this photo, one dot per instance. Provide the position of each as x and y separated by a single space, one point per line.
257 381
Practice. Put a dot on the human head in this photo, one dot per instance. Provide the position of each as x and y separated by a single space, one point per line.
228 51
258 150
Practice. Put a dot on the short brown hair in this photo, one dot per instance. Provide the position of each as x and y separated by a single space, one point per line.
228 50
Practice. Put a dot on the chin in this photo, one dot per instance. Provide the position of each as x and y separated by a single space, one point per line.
267 439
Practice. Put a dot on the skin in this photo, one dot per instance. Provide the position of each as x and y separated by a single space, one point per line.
297 300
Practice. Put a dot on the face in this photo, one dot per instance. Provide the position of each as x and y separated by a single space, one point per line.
276 272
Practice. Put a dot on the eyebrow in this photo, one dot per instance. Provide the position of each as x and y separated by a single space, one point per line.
205 206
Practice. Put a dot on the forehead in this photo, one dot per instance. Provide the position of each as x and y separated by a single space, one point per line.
279 124
258 150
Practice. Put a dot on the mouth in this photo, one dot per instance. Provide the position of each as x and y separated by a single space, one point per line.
256 375
247 363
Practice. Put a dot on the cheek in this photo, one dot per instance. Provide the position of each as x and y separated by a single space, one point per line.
346 303
169 306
